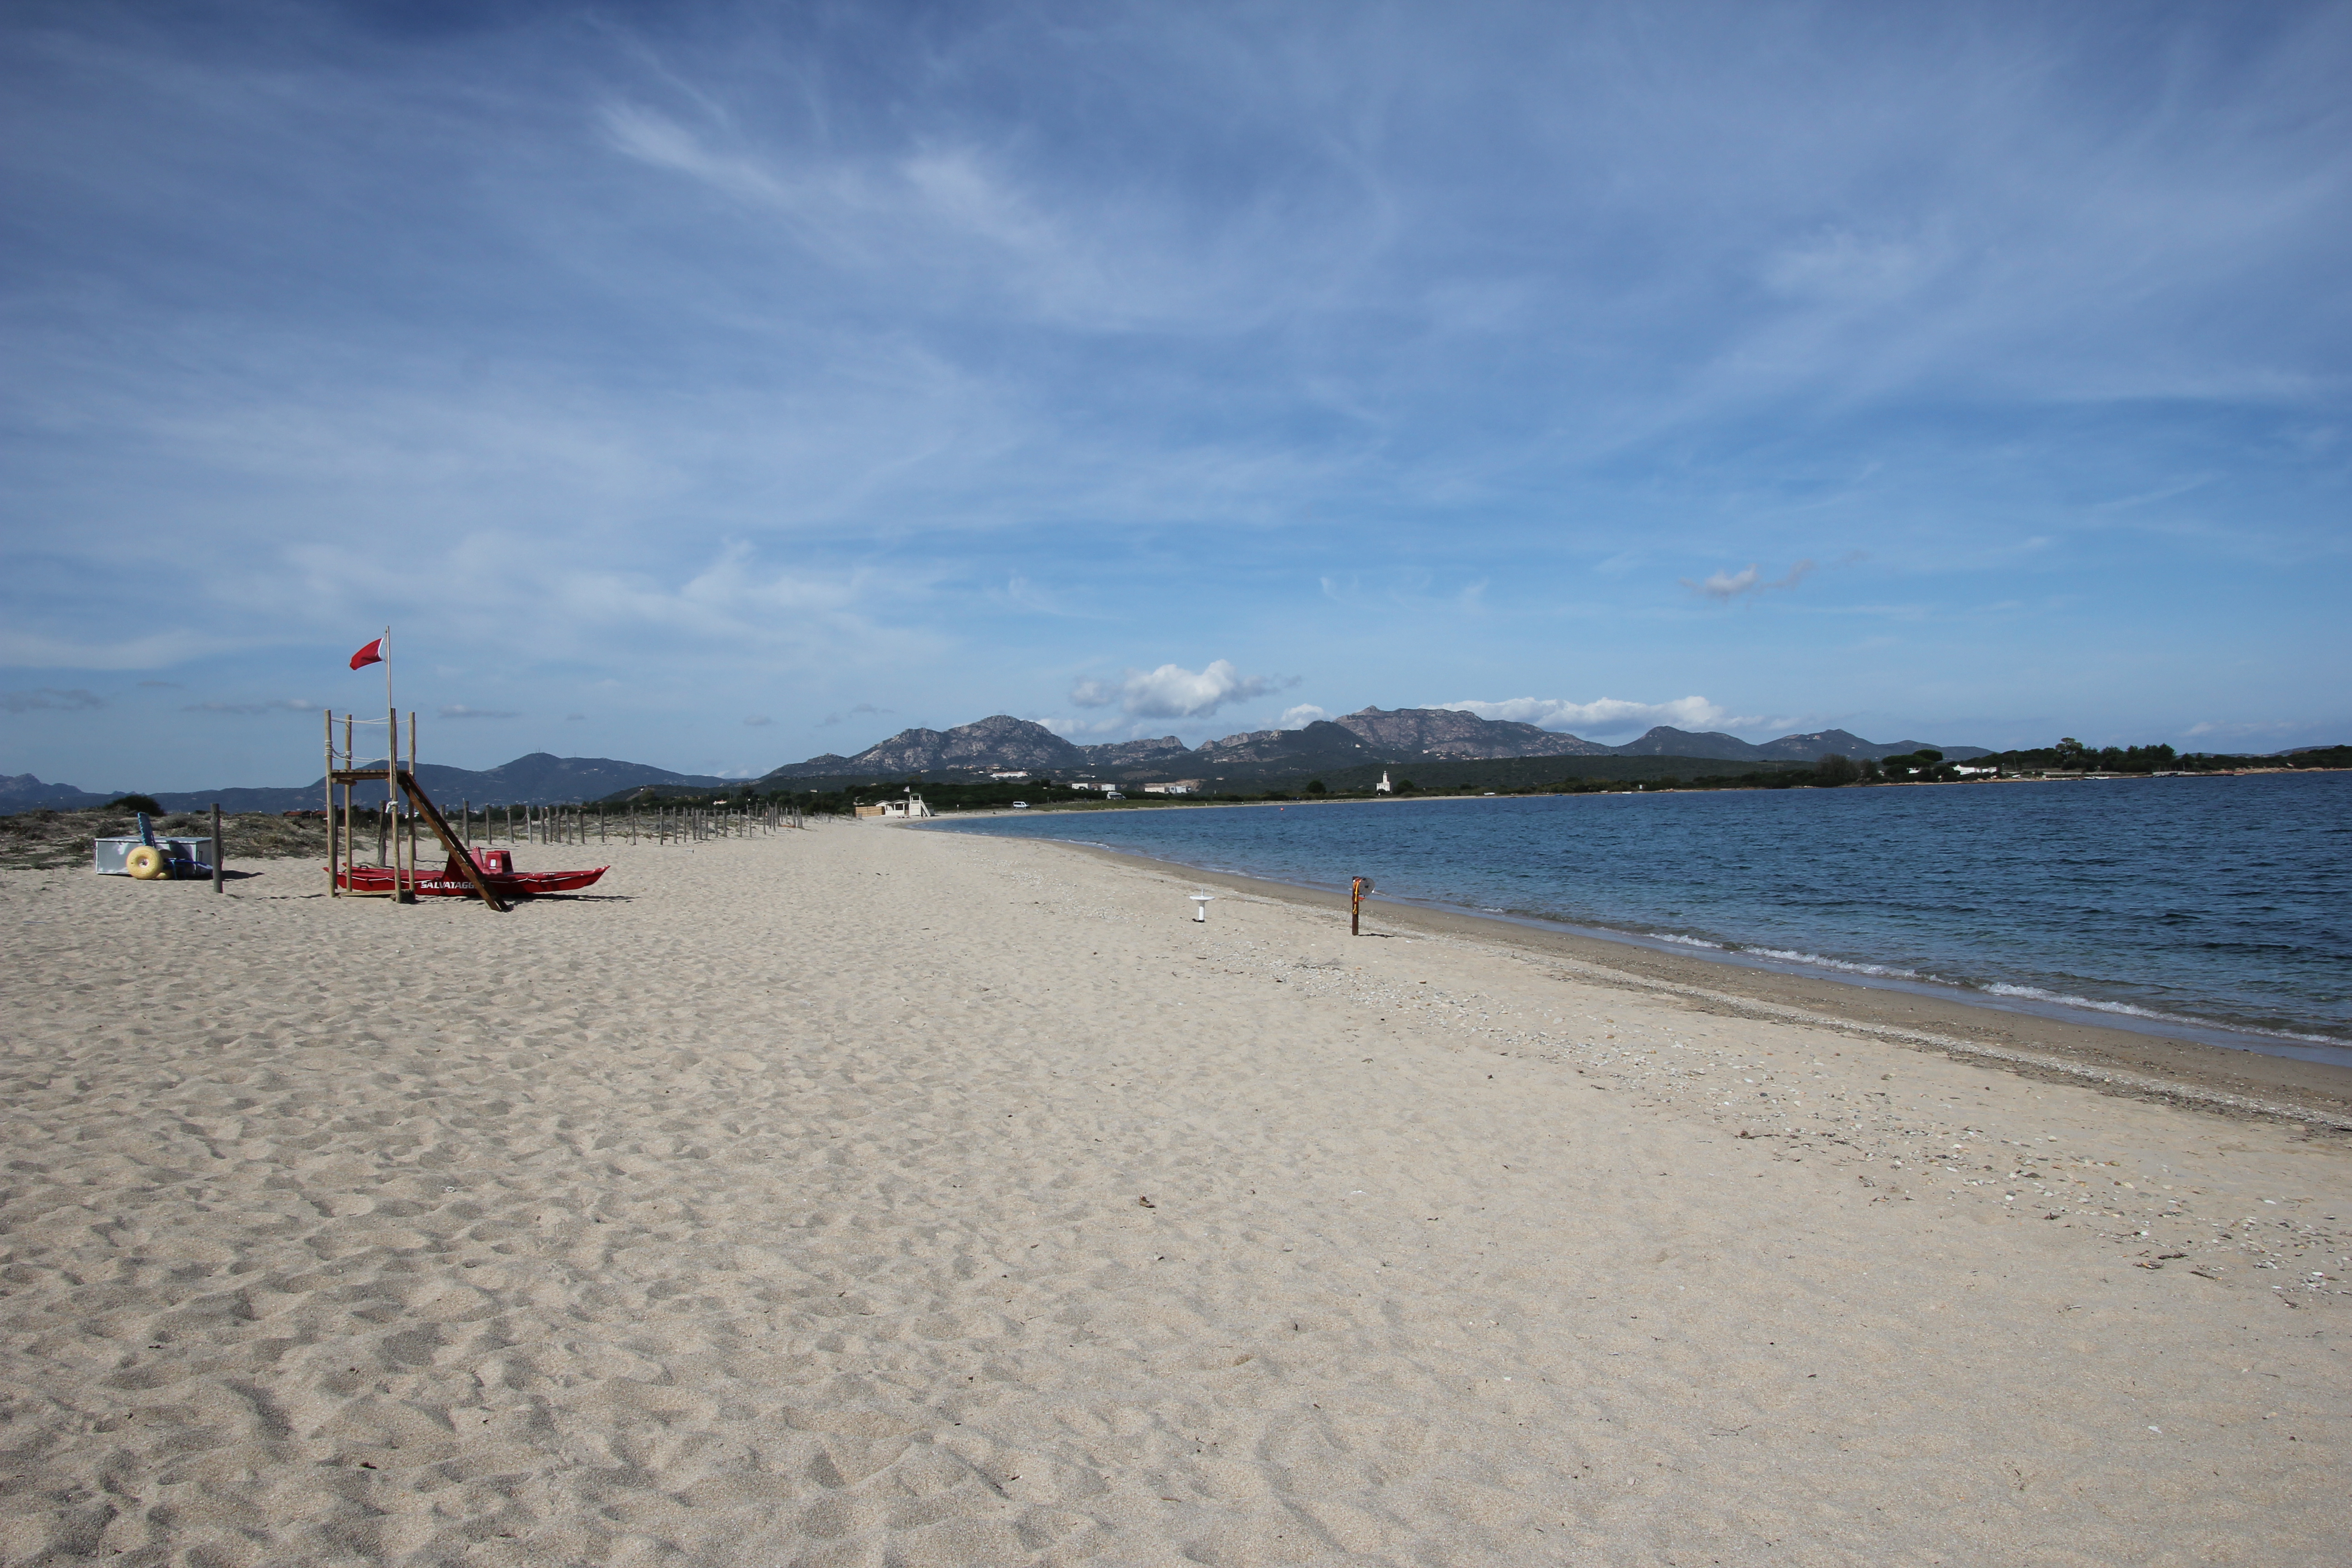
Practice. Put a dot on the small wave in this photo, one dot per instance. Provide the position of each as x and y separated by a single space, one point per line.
1882 971
1686 941
2062 999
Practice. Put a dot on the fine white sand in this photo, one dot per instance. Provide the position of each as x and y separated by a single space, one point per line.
867 1195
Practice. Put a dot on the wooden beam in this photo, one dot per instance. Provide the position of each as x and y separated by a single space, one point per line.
440 825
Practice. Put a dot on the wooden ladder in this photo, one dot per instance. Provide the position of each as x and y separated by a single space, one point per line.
440 825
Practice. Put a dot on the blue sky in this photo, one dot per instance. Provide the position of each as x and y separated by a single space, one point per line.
713 386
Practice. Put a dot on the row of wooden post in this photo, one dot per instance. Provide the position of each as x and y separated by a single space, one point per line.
661 824
396 829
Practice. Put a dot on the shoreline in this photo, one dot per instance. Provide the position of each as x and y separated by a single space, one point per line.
2121 1059
1996 994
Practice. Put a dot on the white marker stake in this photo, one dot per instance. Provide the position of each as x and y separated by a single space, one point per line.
1201 902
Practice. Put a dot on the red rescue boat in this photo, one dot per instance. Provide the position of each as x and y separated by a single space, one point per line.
497 867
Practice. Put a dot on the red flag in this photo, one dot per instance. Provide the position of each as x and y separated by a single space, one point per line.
372 653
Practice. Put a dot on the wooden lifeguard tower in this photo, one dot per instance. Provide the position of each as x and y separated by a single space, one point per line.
344 772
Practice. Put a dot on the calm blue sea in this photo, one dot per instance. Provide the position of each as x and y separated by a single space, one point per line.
2224 902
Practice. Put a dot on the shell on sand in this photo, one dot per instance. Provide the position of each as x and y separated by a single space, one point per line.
785 1201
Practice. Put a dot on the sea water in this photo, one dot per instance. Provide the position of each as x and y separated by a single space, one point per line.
2217 907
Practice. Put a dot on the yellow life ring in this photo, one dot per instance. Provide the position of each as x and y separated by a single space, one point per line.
147 863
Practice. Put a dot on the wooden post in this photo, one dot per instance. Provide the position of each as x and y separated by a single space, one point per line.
410 886
1356 889
217 848
387 846
332 891
350 827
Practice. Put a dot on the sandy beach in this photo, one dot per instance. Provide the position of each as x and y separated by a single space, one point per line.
874 1195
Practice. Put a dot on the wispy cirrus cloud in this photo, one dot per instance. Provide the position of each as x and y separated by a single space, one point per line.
276 705
931 328
460 711
50 698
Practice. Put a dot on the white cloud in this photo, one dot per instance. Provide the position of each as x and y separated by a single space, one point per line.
758 719
1729 586
1171 691
459 710
1608 715
1725 584
1298 717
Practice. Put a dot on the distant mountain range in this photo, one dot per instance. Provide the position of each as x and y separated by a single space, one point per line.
1398 736
1373 737
539 779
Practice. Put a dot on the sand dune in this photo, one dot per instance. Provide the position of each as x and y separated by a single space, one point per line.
870 1195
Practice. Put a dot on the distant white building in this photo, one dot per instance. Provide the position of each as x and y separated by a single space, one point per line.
1177 786
910 805
1023 773
1382 788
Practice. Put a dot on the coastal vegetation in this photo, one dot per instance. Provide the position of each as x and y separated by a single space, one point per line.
44 839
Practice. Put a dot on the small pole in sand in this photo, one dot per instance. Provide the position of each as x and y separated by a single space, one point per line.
332 890
408 884
350 812
387 831
1201 902
1356 889
217 848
